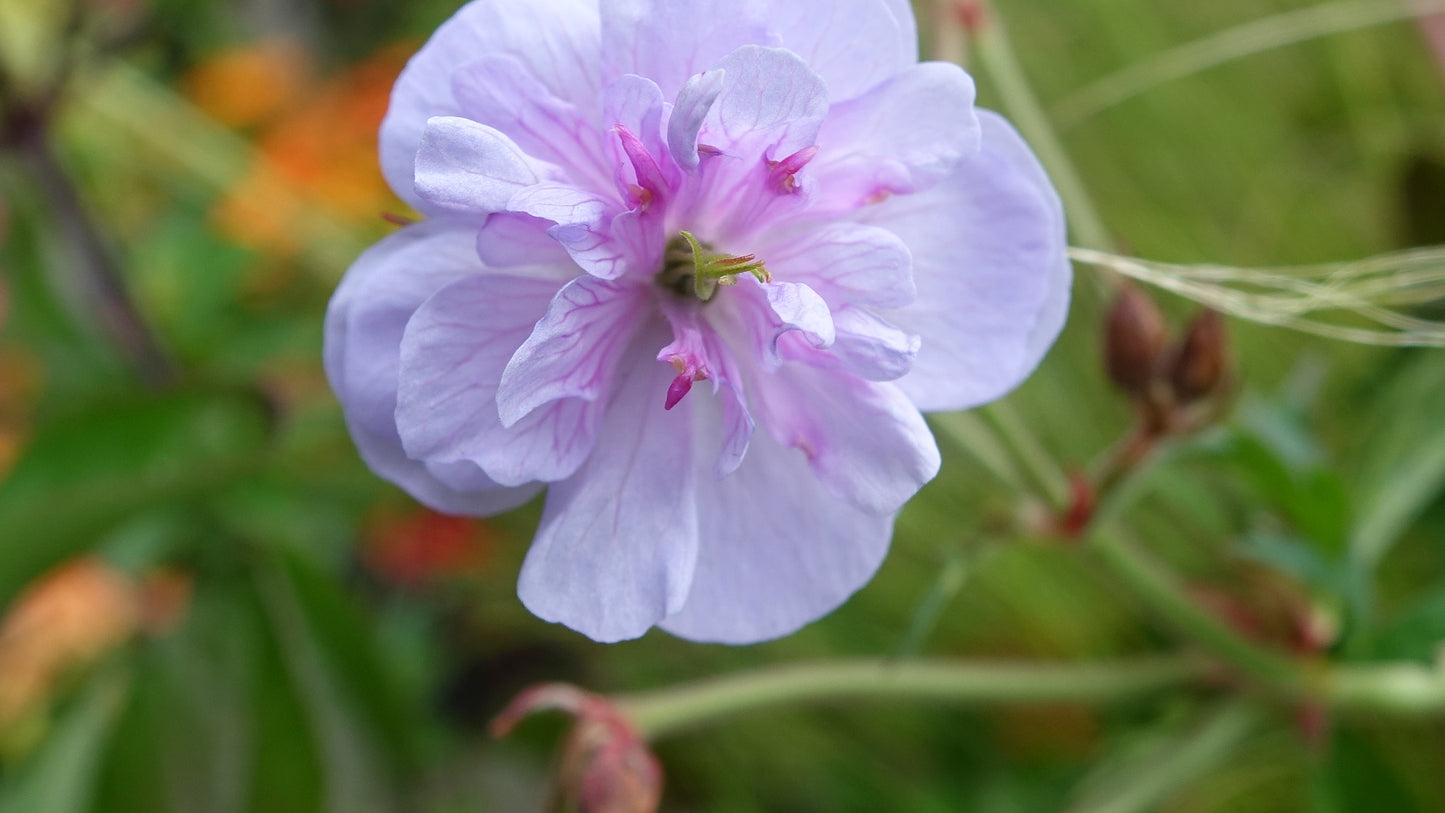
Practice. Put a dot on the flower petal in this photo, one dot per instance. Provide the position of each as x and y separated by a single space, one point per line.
769 110
852 44
869 347
759 319
846 263
364 326
670 40
574 349
616 547
636 104
498 91
900 137
770 105
776 549
452 356
697 345
460 489
798 308
694 102
466 167
510 241
864 441
370 309
603 239
989 258
558 41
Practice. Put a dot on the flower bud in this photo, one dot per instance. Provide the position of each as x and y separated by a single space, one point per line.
610 770
605 765
1198 366
1134 334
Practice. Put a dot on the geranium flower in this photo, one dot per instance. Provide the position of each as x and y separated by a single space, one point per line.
695 266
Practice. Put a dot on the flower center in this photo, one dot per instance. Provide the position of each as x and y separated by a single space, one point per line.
692 267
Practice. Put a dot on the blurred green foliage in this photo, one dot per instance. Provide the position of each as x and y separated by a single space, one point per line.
306 672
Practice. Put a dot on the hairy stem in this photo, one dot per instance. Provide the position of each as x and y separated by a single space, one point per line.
662 712
1396 689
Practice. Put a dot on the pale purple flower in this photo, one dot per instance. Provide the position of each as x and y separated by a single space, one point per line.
696 266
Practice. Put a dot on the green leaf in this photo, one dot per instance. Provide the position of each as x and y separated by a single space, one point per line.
61 777
1143 780
1403 468
1310 566
348 640
1415 633
1313 500
355 779
85 474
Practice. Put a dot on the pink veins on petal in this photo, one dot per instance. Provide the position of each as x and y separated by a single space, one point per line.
777 199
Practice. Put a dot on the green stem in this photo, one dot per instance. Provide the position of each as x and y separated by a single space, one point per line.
662 712
1167 597
1396 689
1370 690
998 59
1048 475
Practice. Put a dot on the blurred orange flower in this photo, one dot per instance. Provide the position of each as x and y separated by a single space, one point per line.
316 142
71 618
251 85
67 619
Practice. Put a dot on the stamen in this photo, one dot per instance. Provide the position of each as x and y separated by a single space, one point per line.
690 266
782 175
650 180
639 196
688 357
680 387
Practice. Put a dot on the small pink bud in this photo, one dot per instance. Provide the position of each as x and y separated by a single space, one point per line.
605 766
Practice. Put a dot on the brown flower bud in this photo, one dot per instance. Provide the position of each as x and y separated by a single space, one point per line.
1198 366
1134 335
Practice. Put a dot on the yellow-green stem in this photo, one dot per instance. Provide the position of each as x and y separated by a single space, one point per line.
665 711
996 56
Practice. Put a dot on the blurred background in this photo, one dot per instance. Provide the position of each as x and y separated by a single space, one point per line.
210 604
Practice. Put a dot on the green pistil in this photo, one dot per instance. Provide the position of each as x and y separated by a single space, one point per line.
692 267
